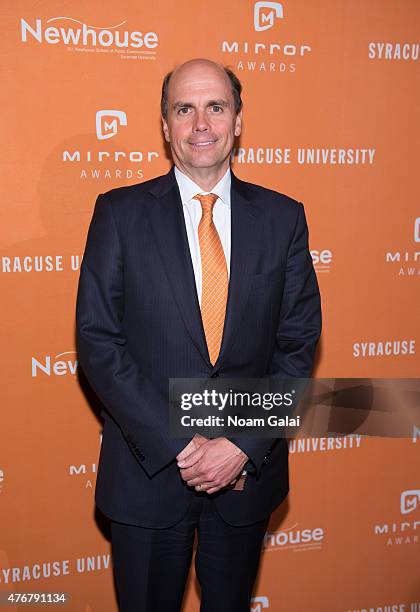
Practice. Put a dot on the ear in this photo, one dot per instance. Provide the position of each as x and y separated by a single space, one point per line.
238 123
165 130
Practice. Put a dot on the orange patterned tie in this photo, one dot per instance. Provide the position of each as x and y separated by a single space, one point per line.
214 277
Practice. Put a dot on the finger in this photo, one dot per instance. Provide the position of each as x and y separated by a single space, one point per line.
192 472
193 445
184 453
190 448
195 480
202 487
186 477
190 459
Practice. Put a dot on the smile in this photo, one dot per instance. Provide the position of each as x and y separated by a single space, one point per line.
204 144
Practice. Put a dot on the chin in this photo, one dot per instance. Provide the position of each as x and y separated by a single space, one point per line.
204 162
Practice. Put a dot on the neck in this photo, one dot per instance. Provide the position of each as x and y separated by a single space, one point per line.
205 178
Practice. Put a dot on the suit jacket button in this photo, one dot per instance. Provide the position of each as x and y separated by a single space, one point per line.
215 375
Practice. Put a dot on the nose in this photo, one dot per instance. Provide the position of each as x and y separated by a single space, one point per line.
201 123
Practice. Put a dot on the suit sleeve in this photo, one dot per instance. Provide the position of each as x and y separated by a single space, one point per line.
129 397
298 329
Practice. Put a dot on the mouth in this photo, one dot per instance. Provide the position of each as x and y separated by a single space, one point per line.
203 144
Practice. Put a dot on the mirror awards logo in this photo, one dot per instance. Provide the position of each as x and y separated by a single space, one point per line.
266 48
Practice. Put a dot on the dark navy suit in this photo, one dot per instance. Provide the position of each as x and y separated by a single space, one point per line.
139 323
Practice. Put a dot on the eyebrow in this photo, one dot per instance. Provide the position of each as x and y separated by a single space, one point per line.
222 103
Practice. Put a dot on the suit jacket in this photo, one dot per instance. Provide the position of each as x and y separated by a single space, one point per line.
139 323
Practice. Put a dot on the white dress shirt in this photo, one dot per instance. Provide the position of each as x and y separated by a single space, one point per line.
192 215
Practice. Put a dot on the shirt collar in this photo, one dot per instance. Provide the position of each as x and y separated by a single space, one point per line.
188 189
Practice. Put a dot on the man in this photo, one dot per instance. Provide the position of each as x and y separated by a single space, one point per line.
193 274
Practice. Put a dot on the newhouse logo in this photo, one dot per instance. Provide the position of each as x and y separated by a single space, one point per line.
63 364
322 260
294 538
69 31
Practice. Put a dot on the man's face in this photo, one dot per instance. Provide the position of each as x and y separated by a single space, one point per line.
201 124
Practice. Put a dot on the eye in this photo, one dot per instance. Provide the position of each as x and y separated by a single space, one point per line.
183 110
216 108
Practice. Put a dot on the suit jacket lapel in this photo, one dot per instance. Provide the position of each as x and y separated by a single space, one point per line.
168 226
246 224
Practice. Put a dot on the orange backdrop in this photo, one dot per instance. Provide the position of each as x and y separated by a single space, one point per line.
331 107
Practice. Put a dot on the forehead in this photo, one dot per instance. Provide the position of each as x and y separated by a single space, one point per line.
200 80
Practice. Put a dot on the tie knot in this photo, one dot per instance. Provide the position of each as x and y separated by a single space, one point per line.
207 202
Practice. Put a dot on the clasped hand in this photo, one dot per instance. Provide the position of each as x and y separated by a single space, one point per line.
211 465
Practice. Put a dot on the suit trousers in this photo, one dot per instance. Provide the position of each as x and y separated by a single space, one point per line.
151 566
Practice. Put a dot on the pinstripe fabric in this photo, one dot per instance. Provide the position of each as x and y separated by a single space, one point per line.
139 323
214 277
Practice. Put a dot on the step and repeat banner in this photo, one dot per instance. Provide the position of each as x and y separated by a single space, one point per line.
331 107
